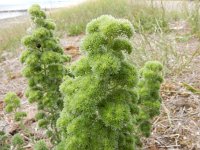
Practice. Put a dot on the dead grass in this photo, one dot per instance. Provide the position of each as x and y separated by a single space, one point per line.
175 50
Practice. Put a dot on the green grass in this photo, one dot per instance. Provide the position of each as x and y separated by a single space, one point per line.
144 17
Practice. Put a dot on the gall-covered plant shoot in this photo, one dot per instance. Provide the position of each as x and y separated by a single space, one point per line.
102 105
44 68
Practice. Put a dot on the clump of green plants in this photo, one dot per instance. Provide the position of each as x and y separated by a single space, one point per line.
106 103
44 68
12 105
17 141
40 145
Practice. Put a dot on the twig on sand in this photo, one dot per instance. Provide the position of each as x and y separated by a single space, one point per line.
168 113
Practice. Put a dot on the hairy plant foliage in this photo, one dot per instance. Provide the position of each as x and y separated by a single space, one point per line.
44 68
149 96
107 105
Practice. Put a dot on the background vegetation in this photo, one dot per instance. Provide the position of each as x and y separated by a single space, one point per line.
71 20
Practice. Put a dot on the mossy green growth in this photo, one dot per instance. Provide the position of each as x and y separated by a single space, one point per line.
101 104
44 68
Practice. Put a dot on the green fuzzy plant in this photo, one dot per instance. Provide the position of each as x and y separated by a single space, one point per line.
12 102
44 68
103 103
149 95
12 105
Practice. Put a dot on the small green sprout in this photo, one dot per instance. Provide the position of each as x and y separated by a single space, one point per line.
40 145
19 116
17 140
12 102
